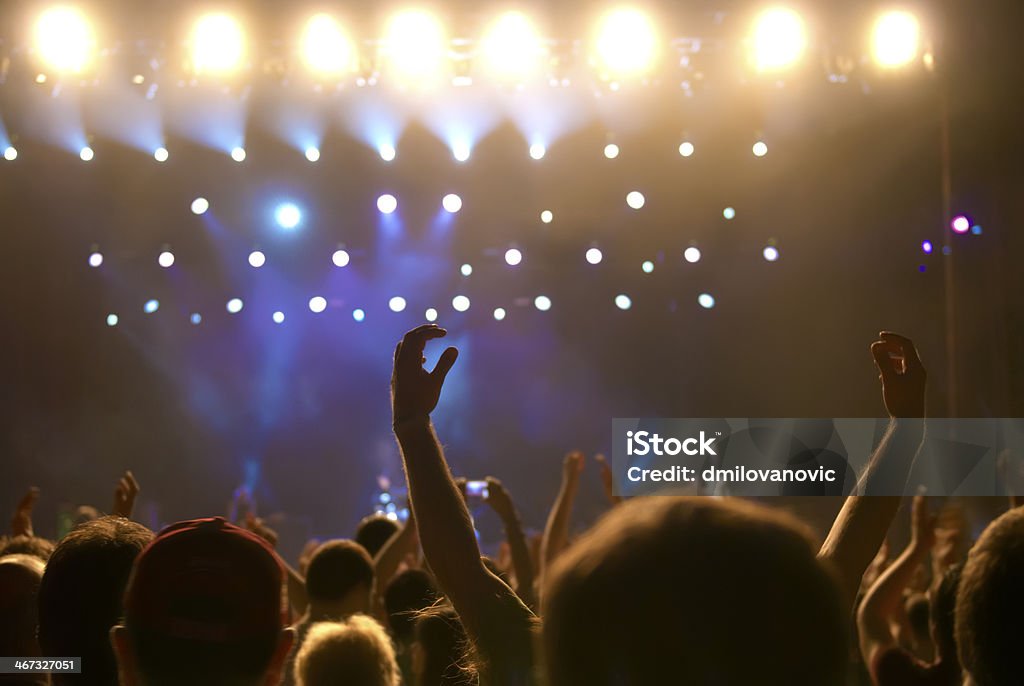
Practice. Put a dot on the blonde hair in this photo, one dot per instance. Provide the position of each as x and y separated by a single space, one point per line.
354 652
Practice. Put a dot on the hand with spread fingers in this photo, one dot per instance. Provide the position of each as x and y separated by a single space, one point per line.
124 495
903 376
414 390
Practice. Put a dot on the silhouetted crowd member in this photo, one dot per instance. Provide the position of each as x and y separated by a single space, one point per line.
408 592
20 576
354 652
440 654
27 545
374 531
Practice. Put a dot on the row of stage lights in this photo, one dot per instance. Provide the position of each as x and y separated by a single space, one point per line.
626 42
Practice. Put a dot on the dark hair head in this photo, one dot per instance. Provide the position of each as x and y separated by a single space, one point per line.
943 613
990 604
445 648
336 568
698 591
80 597
19 585
26 545
374 531
407 593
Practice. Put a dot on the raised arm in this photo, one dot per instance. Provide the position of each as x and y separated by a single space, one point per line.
883 602
607 480
125 493
863 521
403 543
21 522
556 531
501 502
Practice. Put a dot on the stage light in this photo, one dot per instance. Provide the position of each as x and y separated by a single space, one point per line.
387 152
460 151
611 151
686 148
692 254
151 306
466 269
976 229
706 300
627 43
358 315
312 154
961 224
770 253
10 153
287 215
165 259
430 315
257 259
623 302
160 154
460 303
387 203
647 267
451 203
317 304
537 151
340 258
234 306
594 256
779 39
546 216
217 44
95 259
729 213
513 256
196 319
415 44
397 303
542 303
238 154
112 319
200 205
511 47
635 199
325 47
926 246
760 149
86 154
895 39
499 313
64 39
278 317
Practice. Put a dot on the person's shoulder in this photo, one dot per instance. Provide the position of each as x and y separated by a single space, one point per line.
896 667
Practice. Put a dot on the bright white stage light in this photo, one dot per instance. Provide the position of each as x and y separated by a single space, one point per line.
760 149
635 199
692 254
461 151
358 315
200 205
387 152
238 154
64 39
10 153
623 302
217 44
387 203
594 256
547 216
647 267
771 253
895 39
397 303
165 259
257 259
151 306
195 318
415 45
112 319
340 258
278 317
537 151
542 303
86 154
466 269
95 259
511 46
779 39
626 43
160 154
499 313
460 303
234 306
287 215
430 315
513 256
706 300
451 203
326 49
611 151
686 148
729 213
317 304
312 154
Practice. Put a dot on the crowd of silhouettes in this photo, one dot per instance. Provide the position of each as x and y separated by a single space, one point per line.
687 590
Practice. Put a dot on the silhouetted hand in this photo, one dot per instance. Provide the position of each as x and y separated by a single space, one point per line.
260 528
922 523
21 522
124 495
572 467
499 499
414 390
903 376
607 481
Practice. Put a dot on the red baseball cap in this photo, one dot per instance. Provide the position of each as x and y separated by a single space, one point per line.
207 580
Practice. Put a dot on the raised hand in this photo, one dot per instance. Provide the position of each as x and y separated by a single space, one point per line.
922 524
499 499
21 522
124 495
607 481
903 376
414 390
572 466
260 528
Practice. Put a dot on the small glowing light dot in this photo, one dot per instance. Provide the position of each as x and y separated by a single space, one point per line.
340 258
946 250
961 224
706 300
358 315
430 315
196 319
460 151
760 149
499 313
238 154
257 259
513 257
686 148
728 213
387 203
594 256
86 154
138 79
927 247
451 203
312 154
10 153
692 254
466 269
770 252
635 199
165 259
160 154
976 229
95 259
647 266
151 306
546 216
200 205
623 302
460 303
611 151
40 78
537 151
542 303
287 215
278 317
317 304
387 153
112 320
234 305
397 303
